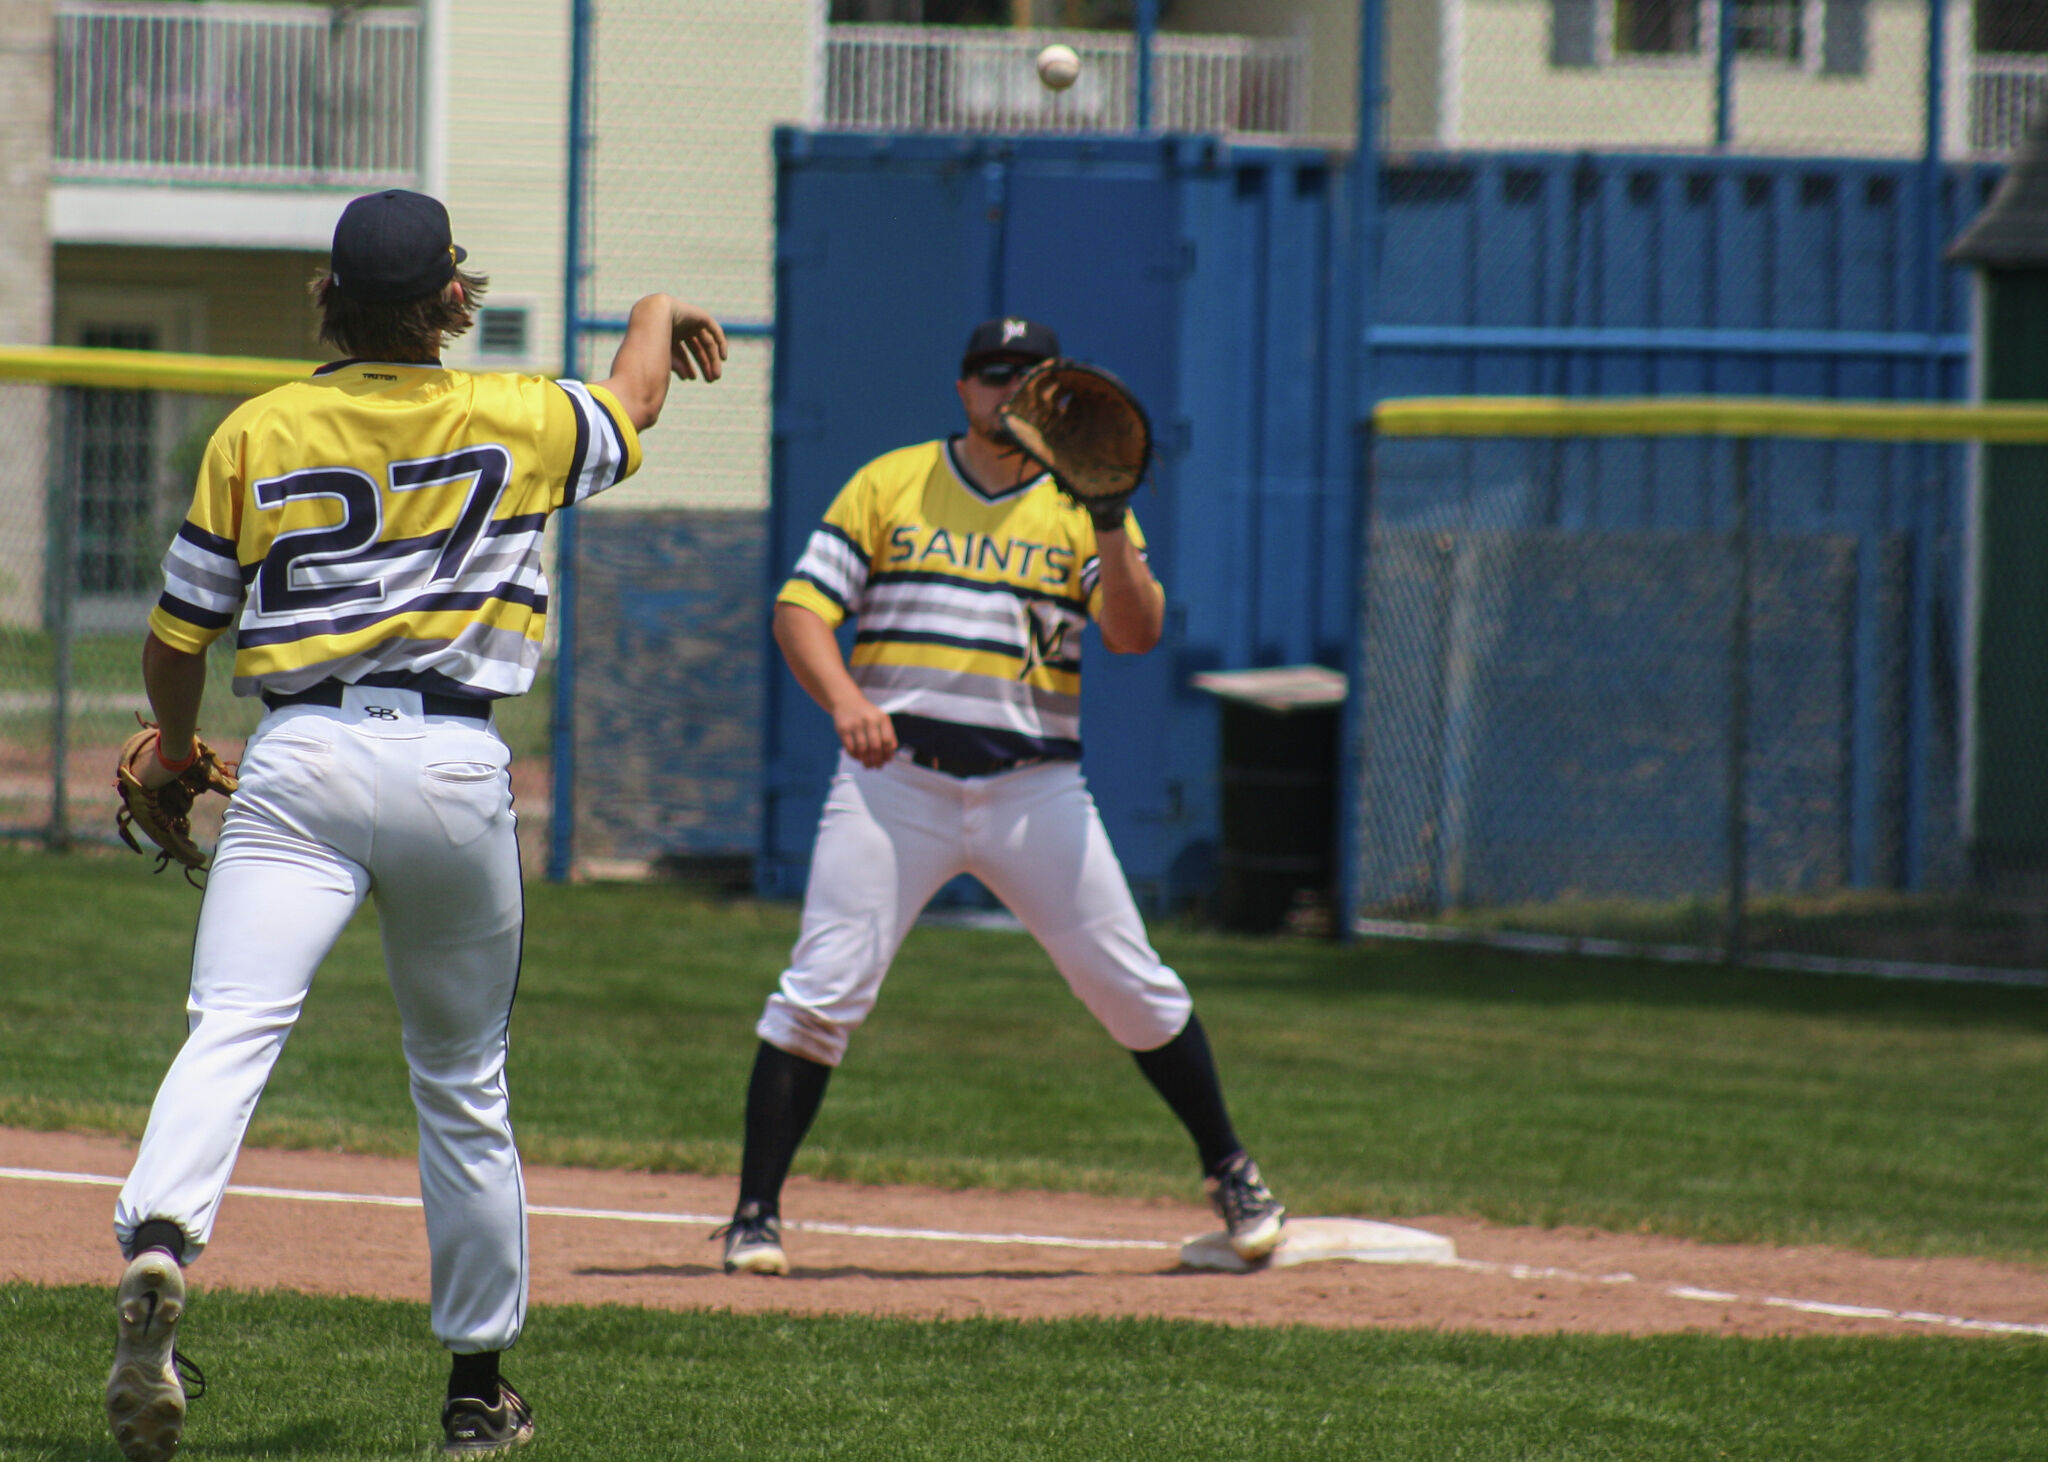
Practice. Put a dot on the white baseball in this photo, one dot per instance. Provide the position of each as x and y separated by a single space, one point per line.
1058 67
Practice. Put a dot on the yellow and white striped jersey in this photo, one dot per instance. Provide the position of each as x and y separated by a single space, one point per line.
970 605
381 524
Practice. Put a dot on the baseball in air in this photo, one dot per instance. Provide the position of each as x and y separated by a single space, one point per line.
1058 67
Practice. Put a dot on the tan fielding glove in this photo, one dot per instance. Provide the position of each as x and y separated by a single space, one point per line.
165 813
1085 427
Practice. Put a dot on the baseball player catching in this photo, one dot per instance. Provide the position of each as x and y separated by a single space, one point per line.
372 535
972 575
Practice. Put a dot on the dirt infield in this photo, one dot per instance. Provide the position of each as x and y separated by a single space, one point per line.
1510 1280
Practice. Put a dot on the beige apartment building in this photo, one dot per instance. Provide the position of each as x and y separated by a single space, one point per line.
1835 77
174 170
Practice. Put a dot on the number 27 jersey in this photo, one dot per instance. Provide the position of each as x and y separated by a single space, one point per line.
381 524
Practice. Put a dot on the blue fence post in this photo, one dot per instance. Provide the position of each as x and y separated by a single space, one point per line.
562 739
1724 74
1148 26
1357 362
1920 656
1930 195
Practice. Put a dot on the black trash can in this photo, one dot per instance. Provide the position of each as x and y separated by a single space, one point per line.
1278 775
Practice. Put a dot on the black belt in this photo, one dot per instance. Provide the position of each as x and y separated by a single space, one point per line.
987 766
329 693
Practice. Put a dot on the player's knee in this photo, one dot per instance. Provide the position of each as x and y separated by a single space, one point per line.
804 1032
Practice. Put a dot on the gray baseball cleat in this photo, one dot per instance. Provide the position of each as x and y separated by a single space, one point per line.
146 1390
1249 1211
753 1242
469 1428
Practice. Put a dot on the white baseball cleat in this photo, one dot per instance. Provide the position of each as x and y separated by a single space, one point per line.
753 1242
472 1428
1249 1211
145 1390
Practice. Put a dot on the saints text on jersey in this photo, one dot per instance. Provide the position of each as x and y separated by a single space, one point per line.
970 604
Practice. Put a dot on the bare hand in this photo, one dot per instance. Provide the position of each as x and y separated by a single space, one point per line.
866 732
696 342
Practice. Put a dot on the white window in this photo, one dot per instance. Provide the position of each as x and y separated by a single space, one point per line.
1770 28
2012 27
1656 27
1829 36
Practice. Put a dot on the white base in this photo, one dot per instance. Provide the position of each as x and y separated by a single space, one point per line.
1306 1240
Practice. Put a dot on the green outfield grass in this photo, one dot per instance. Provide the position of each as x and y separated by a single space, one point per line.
1391 1080
1863 924
106 689
296 1376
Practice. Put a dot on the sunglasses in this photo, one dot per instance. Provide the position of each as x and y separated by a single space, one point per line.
1000 374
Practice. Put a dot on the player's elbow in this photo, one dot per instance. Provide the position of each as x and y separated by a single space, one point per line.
1130 642
644 409
797 628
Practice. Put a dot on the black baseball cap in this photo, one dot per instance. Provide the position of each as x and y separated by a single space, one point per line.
393 246
1008 335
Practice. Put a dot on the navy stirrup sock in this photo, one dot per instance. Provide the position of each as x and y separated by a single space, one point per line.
782 1097
475 1376
1184 1072
158 1233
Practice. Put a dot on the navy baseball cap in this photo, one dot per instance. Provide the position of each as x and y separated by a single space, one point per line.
1010 336
393 246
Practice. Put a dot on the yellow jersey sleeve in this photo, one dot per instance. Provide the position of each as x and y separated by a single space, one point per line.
832 574
594 441
203 581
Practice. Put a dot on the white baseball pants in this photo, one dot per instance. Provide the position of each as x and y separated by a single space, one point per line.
335 805
890 838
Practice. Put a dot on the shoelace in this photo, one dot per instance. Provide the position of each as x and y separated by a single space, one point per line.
470 1417
189 1375
760 1227
1238 1194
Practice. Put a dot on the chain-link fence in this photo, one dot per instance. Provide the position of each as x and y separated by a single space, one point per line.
100 479
1706 694
678 196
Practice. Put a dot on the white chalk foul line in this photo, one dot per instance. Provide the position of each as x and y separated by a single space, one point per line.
1060 1241
1724 1297
633 1215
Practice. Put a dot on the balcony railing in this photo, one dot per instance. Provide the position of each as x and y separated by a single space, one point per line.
957 79
2005 92
280 94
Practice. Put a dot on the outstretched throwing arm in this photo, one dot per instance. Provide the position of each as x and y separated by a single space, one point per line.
663 334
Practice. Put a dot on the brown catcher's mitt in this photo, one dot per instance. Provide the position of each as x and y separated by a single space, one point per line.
165 813
1085 427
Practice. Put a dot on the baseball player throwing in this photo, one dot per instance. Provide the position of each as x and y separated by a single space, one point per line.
972 577
372 535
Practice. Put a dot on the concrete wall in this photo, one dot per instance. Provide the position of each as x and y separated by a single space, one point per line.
27 29
1476 73
1331 27
684 202
683 196
1511 96
506 158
